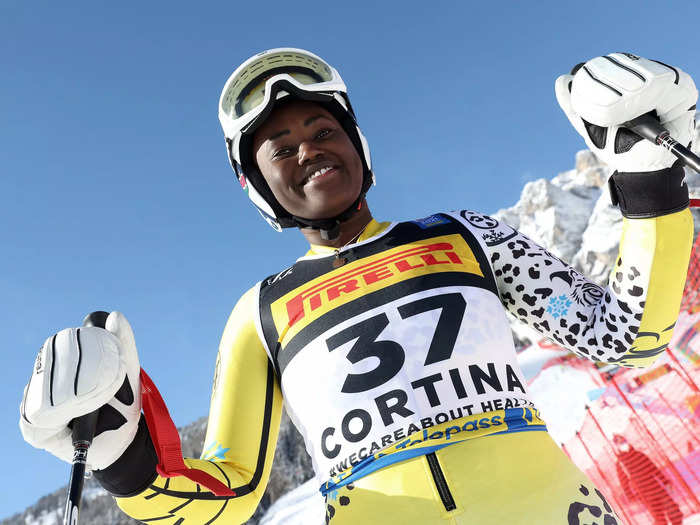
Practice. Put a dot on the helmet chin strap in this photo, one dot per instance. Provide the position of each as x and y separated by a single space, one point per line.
330 228
333 233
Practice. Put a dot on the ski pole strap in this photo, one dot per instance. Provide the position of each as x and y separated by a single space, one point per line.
166 441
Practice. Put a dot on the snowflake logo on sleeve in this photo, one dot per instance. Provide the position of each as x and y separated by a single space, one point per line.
493 237
558 306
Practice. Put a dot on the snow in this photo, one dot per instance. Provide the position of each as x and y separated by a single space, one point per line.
45 518
563 412
91 493
301 506
533 359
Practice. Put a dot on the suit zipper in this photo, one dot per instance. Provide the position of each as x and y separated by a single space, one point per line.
440 482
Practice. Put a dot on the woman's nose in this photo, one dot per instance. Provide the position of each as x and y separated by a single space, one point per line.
307 151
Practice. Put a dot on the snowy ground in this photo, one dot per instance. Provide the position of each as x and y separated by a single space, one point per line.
302 506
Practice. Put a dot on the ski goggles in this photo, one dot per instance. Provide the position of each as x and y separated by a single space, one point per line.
246 98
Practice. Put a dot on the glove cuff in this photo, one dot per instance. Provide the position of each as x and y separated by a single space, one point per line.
135 469
649 194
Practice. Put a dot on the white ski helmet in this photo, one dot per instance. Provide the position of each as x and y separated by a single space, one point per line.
248 98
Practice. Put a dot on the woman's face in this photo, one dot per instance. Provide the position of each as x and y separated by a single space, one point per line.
308 161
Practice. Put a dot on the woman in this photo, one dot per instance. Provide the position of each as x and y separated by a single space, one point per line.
389 342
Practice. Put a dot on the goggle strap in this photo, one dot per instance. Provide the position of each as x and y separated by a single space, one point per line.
283 85
255 82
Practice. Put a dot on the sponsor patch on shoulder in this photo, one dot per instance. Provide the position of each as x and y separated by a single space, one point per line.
432 220
281 275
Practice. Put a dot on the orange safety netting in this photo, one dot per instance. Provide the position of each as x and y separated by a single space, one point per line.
640 443
640 440
691 294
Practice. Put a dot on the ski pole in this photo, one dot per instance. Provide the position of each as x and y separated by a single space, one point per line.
83 430
650 128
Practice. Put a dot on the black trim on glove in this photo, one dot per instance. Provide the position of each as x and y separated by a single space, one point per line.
650 194
135 469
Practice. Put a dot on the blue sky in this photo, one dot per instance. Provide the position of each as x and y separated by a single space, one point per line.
115 191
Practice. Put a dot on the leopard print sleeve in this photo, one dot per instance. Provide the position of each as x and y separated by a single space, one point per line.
630 322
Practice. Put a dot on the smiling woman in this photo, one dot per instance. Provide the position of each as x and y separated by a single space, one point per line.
396 361
309 162
269 81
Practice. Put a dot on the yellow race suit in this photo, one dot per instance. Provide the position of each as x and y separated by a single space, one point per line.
395 361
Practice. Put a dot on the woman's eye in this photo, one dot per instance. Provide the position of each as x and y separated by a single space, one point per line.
282 152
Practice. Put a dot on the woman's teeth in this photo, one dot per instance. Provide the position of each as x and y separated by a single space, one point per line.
320 172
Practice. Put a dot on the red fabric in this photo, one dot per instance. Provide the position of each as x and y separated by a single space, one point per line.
691 293
167 441
695 203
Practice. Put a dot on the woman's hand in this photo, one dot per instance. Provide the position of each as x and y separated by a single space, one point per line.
605 92
77 371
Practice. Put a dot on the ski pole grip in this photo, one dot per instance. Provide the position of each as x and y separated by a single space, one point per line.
83 427
648 126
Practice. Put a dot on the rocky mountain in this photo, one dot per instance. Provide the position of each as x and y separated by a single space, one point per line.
292 466
97 505
570 215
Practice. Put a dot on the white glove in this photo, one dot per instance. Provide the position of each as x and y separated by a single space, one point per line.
77 371
610 90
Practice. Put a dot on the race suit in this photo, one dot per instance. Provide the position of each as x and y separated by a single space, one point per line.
395 360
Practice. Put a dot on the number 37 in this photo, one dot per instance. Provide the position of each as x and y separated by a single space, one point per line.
390 353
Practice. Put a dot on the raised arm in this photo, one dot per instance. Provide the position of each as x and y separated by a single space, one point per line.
631 321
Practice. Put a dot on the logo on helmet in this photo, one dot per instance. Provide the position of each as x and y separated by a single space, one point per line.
630 56
271 221
38 364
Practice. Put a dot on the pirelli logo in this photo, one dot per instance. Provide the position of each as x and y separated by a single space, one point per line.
300 307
